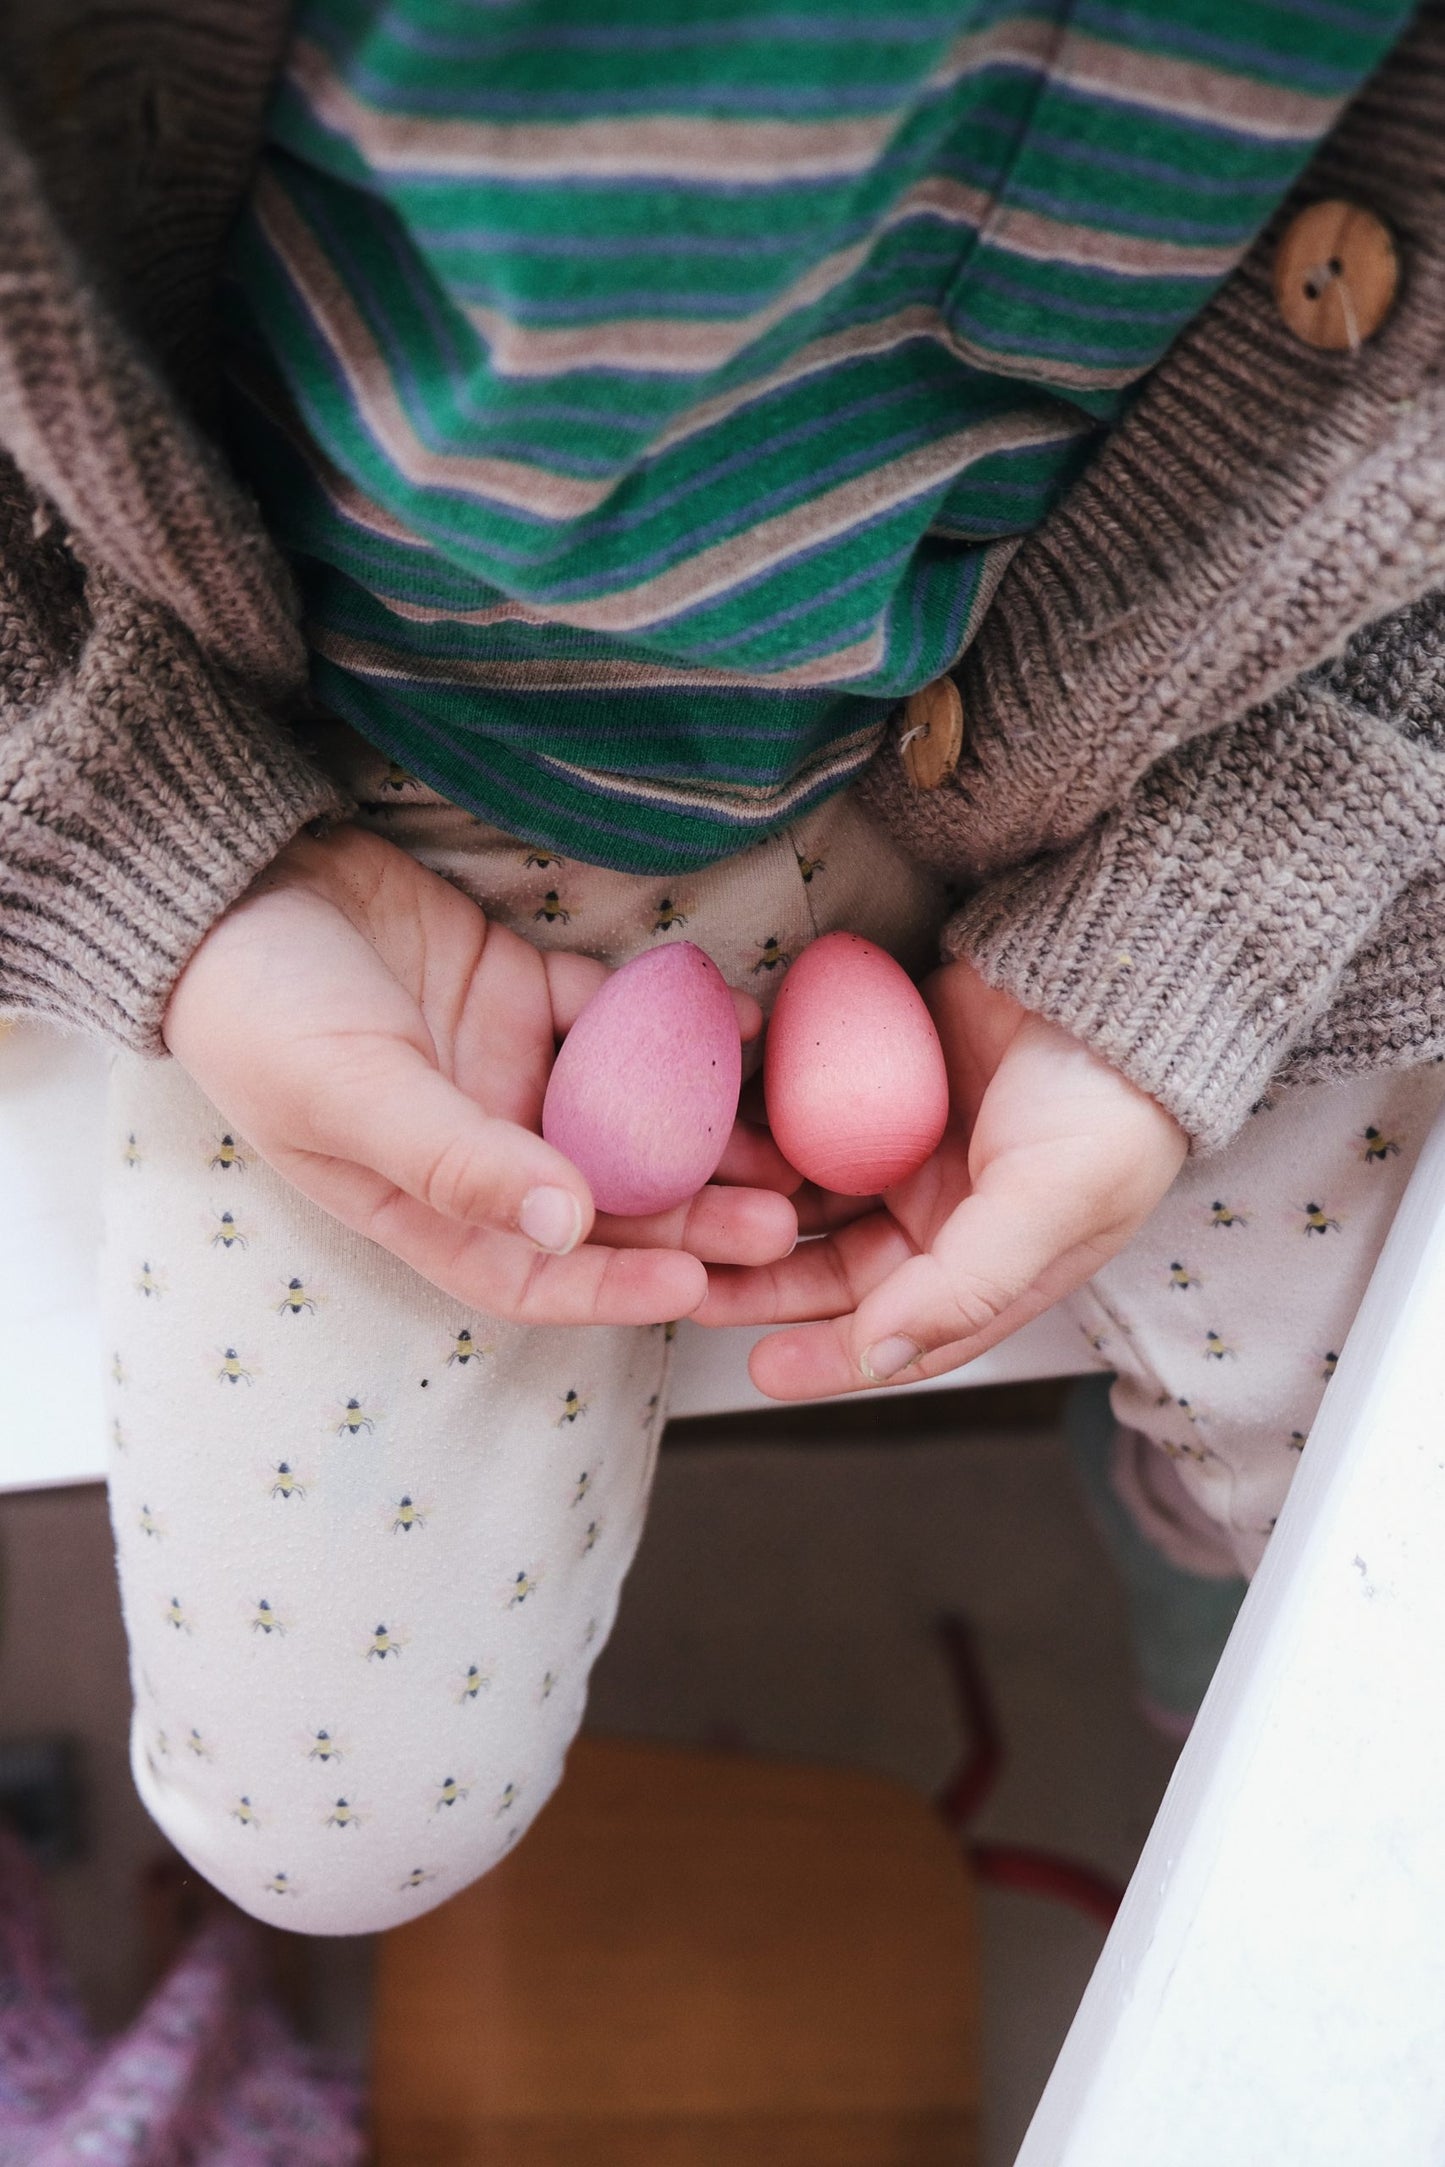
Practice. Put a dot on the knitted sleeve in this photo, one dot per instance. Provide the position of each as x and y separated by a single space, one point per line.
148 660
1211 934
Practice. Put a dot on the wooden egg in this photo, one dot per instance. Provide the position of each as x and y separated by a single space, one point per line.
644 1091
853 1072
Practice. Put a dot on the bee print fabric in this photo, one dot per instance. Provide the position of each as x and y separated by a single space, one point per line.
1224 1318
369 1542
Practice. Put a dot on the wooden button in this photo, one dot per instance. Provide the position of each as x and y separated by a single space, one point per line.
932 734
1336 274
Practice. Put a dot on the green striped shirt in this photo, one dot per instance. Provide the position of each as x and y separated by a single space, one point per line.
649 397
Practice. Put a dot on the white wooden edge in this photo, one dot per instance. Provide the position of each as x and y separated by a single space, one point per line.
1272 1993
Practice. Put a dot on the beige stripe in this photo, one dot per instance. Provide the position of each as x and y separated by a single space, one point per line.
371 658
507 481
659 147
670 345
660 345
749 801
769 542
1193 90
693 147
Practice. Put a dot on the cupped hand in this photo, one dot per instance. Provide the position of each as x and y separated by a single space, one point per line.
386 1048
1051 1161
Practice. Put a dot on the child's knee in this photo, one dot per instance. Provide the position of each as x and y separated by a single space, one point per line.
334 1864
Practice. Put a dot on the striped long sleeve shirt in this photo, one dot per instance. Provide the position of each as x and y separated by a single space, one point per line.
649 398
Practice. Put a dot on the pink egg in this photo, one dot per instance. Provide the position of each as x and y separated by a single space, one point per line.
644 1091
853 1073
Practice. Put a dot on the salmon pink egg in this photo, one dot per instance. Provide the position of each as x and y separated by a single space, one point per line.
644 1091
853 1072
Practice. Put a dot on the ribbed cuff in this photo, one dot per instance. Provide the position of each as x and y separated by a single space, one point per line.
137 802
1198 932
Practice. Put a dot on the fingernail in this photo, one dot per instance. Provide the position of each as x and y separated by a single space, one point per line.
552 1218
888 1357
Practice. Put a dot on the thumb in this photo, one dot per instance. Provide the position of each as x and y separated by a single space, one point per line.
1035 1228
400 1116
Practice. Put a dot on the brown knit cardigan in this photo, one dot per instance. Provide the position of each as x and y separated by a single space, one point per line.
1200 815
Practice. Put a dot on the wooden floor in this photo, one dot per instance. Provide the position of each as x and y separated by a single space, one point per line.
694 1960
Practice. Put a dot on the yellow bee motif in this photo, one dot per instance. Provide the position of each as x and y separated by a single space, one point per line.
281 1884
117 1370
295 1299
523 1584
1215 1349
465 1349
589 1540
667 915
552 909
511 1792
342 1815
132 1154
771 954
196 1744
117 1434
1200 1454
449 1791
1296 1440
549 1684
1181 1276
382 1644
163 1745
323 1747
1327 1369
354 1419
148 1523
228 1235
1317 1221
1185 1407
649 1411
1098 1341
591 1633
175 1616
541 859
231 1370
809 866
1378 1147
227 1155
417 1876
148 1283
669 1332
584 1484
473 1682
572 1406
287 1483
1221 1215
244 1812
265 1620
407 1517
396 778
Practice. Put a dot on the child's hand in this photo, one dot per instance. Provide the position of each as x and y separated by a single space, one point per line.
1051 1161
387 1049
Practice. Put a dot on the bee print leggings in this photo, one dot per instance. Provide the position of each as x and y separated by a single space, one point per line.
371 1543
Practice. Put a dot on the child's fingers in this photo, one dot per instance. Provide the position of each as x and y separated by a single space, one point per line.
826 1278
720 1225
381 1104
753 1161
820 1211
1010 1249
501 1274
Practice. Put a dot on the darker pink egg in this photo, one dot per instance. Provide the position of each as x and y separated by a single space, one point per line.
644 1091
853 1072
